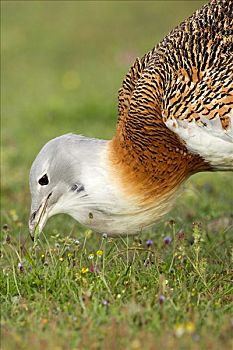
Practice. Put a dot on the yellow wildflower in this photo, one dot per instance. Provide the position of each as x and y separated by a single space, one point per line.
99 252
190 327
88 234
84 270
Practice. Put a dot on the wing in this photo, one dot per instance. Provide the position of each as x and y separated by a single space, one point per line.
185 84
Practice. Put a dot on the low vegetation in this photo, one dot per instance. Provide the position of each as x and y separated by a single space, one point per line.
168 288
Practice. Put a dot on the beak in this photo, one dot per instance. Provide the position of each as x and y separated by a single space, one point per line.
38 218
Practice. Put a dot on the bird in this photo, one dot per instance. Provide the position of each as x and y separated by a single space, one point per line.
175 119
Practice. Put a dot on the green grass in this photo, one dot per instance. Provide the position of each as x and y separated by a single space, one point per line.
62 65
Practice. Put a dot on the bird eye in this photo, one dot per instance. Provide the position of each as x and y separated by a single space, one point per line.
44 180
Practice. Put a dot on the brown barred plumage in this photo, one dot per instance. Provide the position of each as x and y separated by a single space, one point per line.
188 75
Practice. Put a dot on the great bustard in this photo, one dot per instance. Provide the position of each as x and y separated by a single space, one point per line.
175 119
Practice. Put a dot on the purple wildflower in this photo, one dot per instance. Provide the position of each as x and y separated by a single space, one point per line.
167 240
161 299
93 268
105 302
149 243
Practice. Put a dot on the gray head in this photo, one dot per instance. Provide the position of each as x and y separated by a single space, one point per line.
60 177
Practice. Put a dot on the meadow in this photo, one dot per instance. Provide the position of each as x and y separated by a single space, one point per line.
168 288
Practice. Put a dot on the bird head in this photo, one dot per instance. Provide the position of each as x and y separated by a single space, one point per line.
57 179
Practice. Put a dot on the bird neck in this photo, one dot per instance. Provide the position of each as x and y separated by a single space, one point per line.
150 162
